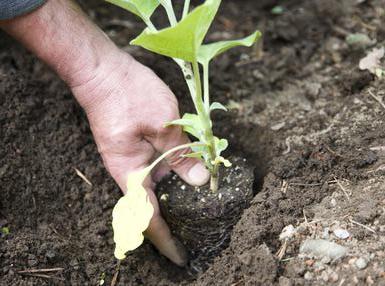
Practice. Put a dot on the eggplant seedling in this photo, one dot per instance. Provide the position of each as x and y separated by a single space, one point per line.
183 42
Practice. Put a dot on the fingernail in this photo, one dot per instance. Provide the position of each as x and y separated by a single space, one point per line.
198 175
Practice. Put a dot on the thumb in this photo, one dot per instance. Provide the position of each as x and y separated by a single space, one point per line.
191 170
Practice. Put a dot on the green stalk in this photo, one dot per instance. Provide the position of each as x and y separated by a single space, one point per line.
207 126
167 5
169 152
206 91
185 8
184 66
193 79
150 25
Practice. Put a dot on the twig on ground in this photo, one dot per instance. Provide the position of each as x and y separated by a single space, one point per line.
237 283
287 142
380 168
282 250
362 225
333 152
28 271
284 186
379 100
116 274
378 148
304 216
342 188
83 177
57 233
39 273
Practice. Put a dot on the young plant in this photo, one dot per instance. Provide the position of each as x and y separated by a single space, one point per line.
183 42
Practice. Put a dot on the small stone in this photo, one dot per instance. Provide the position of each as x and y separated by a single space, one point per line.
319 266
50 254
32 260
308 276
164 197
287 233
74 263
341 233
361 263
334 277
325 276
325 260
309 262
333 202
278 126
284 281
321 248
325 233
369 280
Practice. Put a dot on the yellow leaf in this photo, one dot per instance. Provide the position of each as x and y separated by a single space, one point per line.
131 215
220 159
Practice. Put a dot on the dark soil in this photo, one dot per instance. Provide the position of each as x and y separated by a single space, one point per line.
301 113
203 219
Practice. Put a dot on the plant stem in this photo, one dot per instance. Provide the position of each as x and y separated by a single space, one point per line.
202 106
185 8
150 25
167 5
206 91
207 126
169 152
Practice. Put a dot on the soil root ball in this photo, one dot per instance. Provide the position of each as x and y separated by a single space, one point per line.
203 219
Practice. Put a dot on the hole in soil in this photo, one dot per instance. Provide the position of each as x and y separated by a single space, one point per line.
203 220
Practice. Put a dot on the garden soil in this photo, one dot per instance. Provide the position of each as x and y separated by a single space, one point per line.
309 122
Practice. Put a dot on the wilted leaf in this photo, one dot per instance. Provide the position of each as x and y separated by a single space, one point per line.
143 9
183 40
131 215
372 61
209 51
220 159
217 105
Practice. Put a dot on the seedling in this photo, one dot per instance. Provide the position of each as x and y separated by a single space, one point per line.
183 42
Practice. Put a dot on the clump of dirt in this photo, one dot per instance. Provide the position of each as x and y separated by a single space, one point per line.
203 219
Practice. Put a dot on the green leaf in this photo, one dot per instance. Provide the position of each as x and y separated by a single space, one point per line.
4 231
142 8
220 145
277 10
208 52
217 105
190 123
204 151
184 39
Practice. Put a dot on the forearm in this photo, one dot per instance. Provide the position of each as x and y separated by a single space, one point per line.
61 35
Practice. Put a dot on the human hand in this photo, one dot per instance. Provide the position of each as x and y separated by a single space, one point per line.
127 106
126 103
